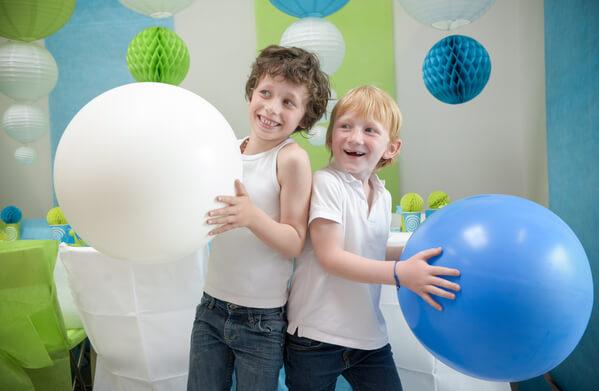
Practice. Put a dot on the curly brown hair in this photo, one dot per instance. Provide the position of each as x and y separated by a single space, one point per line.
298 67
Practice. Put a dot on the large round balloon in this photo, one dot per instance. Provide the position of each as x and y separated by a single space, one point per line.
138 168
527 290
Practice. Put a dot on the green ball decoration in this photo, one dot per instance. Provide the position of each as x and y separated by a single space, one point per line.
30 20
158 54
411 202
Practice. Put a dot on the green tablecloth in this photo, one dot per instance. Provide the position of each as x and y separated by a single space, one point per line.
34 348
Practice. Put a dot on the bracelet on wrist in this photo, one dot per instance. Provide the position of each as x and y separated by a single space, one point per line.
397 286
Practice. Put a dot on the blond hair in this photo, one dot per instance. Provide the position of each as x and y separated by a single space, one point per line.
373 103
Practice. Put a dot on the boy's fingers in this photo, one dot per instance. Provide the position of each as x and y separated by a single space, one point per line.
440 292
443 283
240 188
226 199
219 211
430 301
444 271
221 220
221 229
429 253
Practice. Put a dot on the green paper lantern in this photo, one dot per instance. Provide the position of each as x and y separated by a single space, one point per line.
30 20
158 54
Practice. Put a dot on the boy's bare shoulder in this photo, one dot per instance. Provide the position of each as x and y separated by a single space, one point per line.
292 155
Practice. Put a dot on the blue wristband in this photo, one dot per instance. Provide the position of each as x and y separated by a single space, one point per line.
397 286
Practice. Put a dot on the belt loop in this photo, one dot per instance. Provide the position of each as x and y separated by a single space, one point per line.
211 303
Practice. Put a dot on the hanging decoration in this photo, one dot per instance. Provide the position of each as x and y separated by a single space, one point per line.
25 123
157 9
30 20
319 36
318 134
308 8
158 54
331 105
446 14
27 71
456 69
25 155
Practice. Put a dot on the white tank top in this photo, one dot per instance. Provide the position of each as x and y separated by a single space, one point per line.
241 268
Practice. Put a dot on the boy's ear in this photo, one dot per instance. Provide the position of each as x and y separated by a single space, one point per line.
392 149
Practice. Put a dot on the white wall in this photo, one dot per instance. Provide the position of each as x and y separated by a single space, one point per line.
496 142
493 144
221 36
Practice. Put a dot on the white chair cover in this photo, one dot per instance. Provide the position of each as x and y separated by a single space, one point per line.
138 317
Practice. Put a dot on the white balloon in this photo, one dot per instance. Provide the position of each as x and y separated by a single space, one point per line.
25 123
156 8
319 36
27 71
139 167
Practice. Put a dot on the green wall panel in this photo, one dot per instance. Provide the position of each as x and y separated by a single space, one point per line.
367 28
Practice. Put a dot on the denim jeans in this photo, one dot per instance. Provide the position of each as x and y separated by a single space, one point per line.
227 337
314 366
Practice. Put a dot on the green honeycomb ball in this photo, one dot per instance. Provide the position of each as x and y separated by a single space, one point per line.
438 199
158 54
55 217
411 202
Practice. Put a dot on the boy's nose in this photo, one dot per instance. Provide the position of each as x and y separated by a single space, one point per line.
356 136
272 108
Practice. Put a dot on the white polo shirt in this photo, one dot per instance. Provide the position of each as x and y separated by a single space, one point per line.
328 308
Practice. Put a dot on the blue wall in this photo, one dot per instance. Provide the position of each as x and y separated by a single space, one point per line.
572 85
91 54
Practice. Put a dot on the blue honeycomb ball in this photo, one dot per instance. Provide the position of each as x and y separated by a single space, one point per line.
456 69
11 215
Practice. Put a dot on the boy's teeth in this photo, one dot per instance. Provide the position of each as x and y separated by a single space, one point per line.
268 122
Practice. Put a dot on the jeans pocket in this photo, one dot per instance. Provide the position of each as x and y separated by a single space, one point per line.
271 326
302 344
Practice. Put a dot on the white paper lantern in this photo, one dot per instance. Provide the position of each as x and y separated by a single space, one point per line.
25 155
317 136
319 36
27 71
156 8
446 14
25 123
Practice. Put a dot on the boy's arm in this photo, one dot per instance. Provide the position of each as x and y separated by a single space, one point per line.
415 273
295 177
288 235
393 252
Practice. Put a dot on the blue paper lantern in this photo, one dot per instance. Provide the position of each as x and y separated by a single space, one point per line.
526 288
456 69
307 8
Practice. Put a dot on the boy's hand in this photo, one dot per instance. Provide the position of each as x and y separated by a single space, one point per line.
239 212
417 275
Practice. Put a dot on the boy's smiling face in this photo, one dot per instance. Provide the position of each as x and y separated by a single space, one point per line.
358 144
276 108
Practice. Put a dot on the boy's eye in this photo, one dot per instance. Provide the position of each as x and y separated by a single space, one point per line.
289 103
344 126
265 93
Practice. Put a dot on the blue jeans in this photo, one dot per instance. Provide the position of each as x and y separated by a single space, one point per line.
314 366
227 337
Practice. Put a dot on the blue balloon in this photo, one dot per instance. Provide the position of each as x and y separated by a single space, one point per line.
527 290
456 69
308 8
